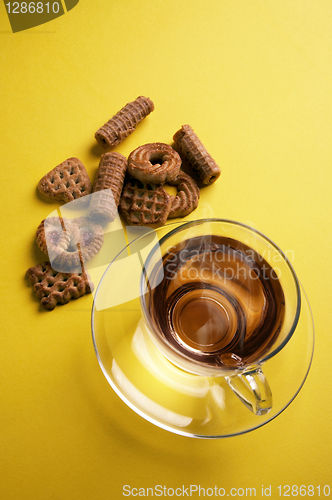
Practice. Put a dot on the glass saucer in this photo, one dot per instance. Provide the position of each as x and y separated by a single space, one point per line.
177 401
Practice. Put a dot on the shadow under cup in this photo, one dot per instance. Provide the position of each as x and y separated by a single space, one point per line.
221 301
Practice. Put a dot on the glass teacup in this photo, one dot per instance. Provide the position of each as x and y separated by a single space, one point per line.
219 299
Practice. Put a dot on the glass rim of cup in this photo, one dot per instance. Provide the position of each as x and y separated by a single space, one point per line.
198 222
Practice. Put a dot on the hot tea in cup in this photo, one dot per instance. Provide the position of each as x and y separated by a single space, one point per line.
221 301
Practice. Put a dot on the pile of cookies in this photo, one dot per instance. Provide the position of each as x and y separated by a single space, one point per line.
134 186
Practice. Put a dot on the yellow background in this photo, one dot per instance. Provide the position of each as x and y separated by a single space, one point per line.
254 80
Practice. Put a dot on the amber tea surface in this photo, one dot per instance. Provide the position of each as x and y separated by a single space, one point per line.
218 301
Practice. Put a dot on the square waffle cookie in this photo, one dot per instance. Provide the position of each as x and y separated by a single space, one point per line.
52 287
144 204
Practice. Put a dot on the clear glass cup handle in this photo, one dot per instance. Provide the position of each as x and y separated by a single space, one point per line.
253 390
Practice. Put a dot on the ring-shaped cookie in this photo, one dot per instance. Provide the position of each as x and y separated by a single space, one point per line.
52 235
187 196
89 237
155 162
69 243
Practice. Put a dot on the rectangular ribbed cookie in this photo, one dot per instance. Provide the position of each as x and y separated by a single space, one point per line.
108 186
123 122
196 155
